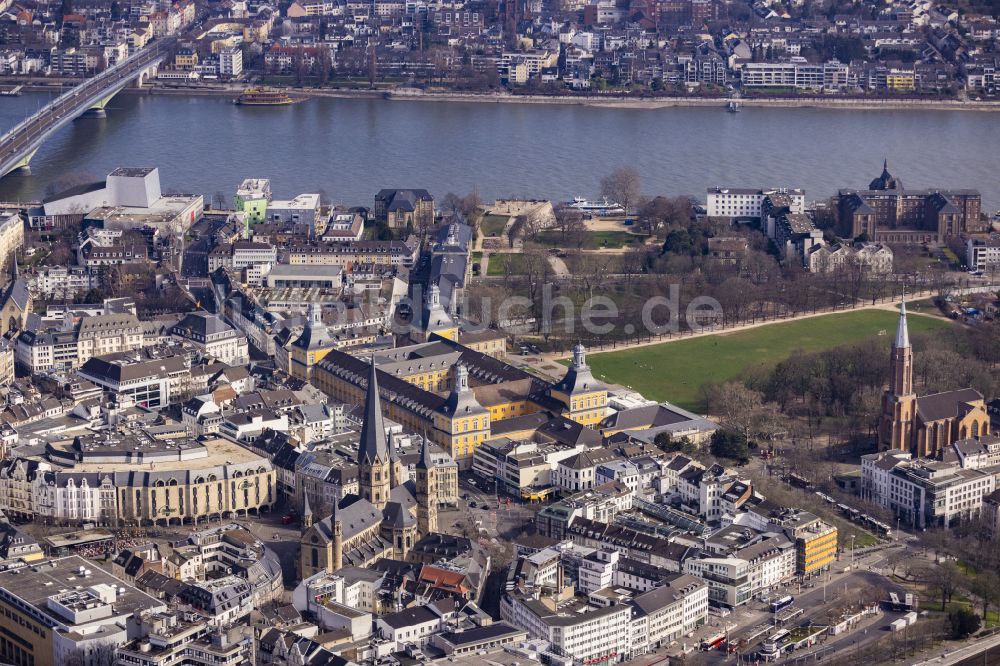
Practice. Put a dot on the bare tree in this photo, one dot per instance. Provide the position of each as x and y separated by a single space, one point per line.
323 65
219 199
743 410
623 186
633 263
948 580
987 586
566 218
662 213
102 654
299 65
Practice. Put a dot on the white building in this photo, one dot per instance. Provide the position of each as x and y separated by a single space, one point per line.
247 427
213 338
579 472
982 255
230 62
411 625
580 631
67 500
302 209
125 186
666 613
622 471
64 281
796 73
745 203
924 493
249 253
728 579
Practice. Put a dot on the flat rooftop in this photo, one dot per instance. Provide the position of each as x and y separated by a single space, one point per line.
35 584
299 202
219 452
133 172
306 270
79 538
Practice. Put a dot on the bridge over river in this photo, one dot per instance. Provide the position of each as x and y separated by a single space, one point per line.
19 145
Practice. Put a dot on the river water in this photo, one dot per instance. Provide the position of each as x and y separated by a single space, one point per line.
351 148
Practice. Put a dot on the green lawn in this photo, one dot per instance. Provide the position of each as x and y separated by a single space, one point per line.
498 264
492 225
676 371
594 239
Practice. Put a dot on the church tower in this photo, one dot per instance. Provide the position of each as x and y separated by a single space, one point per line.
899 401
374 460
434 319
427 521
309 348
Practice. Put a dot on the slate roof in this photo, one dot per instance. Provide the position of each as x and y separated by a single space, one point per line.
409 617
947 404
201 325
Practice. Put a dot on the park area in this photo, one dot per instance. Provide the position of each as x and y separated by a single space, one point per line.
493 225
591 240
677 371
498 264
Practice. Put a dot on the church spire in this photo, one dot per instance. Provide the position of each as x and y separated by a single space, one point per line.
425 454
902 332
373 446
307 514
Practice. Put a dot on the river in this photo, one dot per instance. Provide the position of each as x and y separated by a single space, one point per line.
350 148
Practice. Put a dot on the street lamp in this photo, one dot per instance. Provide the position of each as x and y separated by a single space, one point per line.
852 551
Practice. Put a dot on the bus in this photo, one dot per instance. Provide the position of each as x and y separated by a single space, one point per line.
713 642
773 644
882 529
782 603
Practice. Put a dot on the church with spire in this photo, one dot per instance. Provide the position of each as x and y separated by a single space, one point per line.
929 424
389 513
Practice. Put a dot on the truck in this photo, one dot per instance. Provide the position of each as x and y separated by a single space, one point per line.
911 618
897 625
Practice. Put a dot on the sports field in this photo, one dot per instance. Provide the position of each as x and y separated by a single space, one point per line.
676 371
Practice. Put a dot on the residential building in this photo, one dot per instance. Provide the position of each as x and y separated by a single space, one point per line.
252 198
231 63
982 255
796 73
11 236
